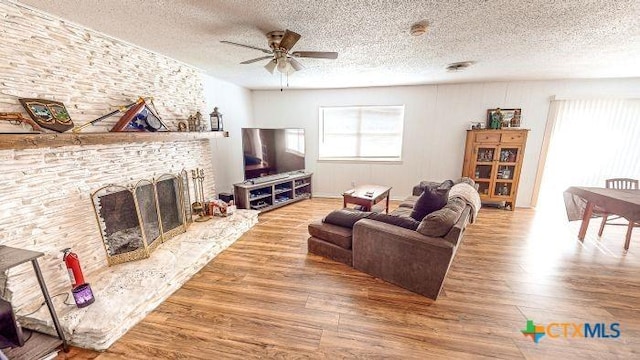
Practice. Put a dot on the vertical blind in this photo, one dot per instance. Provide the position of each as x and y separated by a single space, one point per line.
361 133
591 141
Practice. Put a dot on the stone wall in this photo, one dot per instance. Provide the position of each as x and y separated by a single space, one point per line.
91 73
45 192
46 203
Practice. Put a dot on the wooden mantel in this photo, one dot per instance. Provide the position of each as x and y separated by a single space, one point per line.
34 141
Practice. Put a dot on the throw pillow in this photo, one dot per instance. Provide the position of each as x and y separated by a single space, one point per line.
429 184
430 201
345 217
440 222
445 185
418 189
405 222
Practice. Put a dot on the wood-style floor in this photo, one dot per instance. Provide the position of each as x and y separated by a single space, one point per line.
265 297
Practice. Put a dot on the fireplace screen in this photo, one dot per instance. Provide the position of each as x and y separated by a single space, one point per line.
134 220
169 193
147 206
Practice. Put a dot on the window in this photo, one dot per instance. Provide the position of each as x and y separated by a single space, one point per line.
294 141
372 133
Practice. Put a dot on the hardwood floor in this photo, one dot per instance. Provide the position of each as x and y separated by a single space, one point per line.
265 297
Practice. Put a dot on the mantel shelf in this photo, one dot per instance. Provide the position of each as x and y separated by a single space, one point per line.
49 140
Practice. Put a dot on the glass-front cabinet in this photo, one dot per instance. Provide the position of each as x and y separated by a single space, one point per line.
493 159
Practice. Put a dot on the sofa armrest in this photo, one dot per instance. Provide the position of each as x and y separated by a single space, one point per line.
404 257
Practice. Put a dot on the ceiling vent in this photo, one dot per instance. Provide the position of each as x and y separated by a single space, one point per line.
459 66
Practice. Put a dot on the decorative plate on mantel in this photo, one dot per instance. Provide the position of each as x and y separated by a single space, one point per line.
48 113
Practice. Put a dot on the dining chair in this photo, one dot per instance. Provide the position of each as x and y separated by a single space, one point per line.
619 183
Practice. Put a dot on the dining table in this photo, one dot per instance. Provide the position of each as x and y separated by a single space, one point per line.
582 202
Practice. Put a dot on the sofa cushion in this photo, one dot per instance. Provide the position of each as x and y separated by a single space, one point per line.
405 222
402 212
345 217
409 202
334 234
439 222
329 250
430 201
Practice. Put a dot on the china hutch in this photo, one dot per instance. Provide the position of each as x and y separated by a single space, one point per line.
493 159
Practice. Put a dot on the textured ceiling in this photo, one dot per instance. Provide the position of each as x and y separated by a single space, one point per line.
506 39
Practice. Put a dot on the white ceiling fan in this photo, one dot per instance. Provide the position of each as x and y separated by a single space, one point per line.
280 56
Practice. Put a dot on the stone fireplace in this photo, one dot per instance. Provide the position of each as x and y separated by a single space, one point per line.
47 179
48 206
135 220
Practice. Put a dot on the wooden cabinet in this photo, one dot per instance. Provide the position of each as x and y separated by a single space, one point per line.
493 159
271 192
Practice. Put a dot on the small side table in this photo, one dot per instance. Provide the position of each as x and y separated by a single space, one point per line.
367 196
10 257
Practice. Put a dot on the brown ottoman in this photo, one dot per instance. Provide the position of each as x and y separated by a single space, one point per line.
330 241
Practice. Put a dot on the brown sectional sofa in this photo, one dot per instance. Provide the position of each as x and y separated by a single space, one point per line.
395 254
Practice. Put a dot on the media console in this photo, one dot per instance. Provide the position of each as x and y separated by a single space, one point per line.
272 193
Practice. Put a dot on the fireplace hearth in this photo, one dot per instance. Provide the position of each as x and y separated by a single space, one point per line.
135 220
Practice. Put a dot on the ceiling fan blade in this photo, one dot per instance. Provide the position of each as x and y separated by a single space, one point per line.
271 66
257 59
316 54
247 46
289 39
295 64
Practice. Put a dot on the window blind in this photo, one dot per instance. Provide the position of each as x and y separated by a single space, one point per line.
591 141
361 133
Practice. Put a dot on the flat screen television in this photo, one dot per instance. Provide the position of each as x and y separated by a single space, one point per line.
272 151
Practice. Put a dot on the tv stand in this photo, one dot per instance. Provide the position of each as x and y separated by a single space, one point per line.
268 178
272 192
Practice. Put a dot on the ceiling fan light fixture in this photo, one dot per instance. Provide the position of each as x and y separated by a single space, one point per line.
282 65
280 55
271 66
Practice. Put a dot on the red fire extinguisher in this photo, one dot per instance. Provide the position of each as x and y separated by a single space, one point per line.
73 267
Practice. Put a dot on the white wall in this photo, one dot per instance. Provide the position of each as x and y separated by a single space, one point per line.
436 117
234 102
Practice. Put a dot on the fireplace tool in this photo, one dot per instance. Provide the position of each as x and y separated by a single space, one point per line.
198 189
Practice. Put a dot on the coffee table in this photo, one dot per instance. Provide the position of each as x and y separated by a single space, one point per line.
367 196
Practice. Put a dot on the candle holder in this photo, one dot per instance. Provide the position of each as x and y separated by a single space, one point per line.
216 120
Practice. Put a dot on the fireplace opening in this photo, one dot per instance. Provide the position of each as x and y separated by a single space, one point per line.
135 220
121 228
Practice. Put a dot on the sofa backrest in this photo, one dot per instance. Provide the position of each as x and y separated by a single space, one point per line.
455 234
